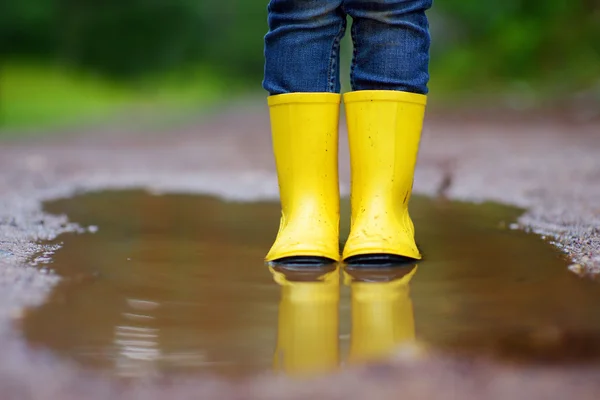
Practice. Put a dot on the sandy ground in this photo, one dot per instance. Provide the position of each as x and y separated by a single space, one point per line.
548 166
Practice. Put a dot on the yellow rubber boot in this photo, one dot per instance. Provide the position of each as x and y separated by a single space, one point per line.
307 341
384 130
305 142
382 317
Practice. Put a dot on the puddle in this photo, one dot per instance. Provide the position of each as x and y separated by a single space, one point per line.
176 284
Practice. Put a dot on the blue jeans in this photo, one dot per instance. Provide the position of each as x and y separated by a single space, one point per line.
391 45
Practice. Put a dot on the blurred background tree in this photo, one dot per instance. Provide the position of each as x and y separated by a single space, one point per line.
96 54
554 43
131 38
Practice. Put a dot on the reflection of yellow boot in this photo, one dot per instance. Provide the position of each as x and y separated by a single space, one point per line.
382 316
384 129
305 142
307 341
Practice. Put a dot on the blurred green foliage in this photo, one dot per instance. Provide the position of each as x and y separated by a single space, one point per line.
553 42
51 96
128 38
478 46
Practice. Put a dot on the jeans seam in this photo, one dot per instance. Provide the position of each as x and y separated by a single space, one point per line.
354 52
333 58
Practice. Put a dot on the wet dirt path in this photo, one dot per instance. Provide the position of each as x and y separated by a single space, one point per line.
545 166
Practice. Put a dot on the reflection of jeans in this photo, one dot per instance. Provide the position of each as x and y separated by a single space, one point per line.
391 45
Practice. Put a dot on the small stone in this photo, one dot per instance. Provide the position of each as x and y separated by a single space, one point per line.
577 269
5 254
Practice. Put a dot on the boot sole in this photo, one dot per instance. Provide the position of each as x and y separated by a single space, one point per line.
380 260
303 261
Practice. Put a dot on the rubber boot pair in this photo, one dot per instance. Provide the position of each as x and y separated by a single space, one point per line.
384 129
308 328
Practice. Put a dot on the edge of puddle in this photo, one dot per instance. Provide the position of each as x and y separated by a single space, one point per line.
186 216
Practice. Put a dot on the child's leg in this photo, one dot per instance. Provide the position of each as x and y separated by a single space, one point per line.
302 77
385 116
391 44
302 46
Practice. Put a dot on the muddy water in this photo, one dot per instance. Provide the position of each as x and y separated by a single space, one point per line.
176 283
